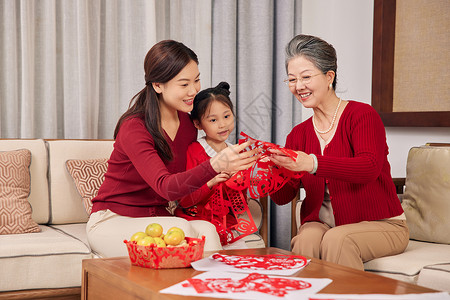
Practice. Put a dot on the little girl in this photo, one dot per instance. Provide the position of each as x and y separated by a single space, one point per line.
212 113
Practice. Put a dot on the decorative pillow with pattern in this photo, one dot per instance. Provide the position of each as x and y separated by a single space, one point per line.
15 181
88 176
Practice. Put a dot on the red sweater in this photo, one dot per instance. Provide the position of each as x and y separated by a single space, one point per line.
138 183
354 165
197 155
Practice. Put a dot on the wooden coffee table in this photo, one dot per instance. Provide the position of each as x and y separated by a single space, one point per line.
116 278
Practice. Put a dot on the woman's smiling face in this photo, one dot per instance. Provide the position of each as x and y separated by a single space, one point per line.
307 83
179 92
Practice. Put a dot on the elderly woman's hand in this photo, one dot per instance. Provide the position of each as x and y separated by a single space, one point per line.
303 162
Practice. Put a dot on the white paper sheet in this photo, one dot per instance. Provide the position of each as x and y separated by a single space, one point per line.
210 264
316 284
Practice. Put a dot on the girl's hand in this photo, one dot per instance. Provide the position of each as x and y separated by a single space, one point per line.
231 160
304 162
221 177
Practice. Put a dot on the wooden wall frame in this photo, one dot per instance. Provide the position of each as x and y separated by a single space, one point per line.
383 74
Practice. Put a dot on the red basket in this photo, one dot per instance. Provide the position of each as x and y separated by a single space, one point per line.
166 257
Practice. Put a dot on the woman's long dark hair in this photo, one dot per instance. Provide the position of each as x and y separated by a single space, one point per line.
162 63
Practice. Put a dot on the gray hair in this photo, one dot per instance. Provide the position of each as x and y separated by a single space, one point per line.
316 50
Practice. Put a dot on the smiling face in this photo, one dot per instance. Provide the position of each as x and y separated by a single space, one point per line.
313 93
217 123
178 93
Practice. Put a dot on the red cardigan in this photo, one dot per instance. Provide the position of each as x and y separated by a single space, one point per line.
354 166
196 155
138 183
200 198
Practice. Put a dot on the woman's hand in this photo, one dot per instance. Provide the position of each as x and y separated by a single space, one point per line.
303 162
232 159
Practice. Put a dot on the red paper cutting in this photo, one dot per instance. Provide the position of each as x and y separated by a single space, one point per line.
220 206
263 178
265 262
276 286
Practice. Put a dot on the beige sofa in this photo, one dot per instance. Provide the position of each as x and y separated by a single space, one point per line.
48 263
426 202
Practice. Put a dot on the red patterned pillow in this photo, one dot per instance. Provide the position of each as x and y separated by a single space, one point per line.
88 175
15 181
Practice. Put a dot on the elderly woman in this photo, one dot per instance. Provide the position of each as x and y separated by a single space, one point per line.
351 213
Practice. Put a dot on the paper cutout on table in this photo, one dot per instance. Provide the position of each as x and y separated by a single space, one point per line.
265 262
277 286
210 264
247 286
264 177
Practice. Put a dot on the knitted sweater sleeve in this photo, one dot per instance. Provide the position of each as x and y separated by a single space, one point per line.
140 148
366 137
195 156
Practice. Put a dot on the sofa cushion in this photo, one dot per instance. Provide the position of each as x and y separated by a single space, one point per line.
15 212
76 230
435 277
88 176
407 265
66 204
426 200
50 259
38 197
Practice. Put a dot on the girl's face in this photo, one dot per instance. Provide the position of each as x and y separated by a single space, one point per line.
179 92
217 122
307 83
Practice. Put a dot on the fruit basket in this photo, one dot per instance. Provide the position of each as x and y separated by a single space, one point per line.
166 257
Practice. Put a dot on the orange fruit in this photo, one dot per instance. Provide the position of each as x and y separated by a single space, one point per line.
146 241
173 237
154 230
176 229
159 242
137 236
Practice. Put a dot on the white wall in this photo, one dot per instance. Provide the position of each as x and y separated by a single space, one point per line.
348 26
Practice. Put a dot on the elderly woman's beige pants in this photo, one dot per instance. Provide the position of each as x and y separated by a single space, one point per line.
352 244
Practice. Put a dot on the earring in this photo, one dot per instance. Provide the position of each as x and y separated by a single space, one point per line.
331 86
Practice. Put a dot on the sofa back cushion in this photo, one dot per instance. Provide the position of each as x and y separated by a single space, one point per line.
426 200
38 197
66 203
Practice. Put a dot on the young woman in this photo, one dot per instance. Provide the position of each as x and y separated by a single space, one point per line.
212 113
351 213
147 168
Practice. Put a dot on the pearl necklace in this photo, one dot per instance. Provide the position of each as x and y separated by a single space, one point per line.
332 121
